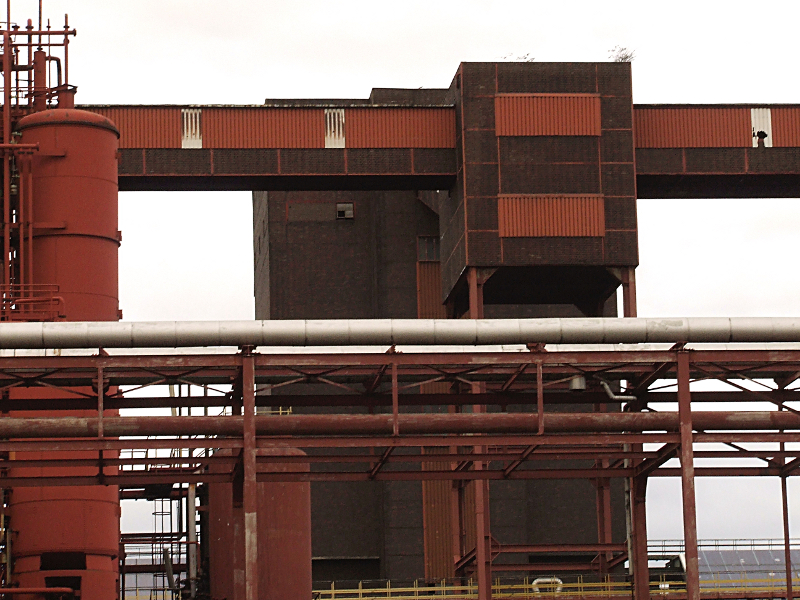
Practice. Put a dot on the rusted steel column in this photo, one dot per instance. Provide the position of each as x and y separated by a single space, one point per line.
787 552
687 479
191 539
7 154
100 401
602 501
629 292
603 512
456 505
483 539
540 396
638 545
395 402
475 285
250 493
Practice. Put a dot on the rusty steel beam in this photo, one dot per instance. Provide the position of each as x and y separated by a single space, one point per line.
523 398
39 591
721 471
665 453
365 442
790 467
376 466
524 455
493 368
544 567
223 366
413 423
641 385
558 548
137 479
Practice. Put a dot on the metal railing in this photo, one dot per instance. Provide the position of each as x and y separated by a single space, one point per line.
149 594
30 302
677 546
550 587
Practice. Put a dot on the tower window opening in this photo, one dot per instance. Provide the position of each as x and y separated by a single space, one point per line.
344 211
427 248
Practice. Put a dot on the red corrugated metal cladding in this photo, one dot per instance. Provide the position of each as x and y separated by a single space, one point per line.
786 127
437 498
429 291
144 126
263 127
284 534
400 128
692 127
551 215
547 114
292 127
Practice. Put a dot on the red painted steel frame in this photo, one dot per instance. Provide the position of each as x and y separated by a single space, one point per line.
478 447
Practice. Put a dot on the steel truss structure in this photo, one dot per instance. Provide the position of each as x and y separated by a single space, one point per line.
501 421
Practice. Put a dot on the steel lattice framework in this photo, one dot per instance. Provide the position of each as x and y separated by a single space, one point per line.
500 422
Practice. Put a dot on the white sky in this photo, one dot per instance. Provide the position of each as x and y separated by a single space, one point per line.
189 256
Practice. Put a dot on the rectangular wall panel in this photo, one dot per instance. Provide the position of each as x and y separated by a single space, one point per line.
692 127
144 126
547 114
429 291
263 127
786 127
551 215
437 515
400 127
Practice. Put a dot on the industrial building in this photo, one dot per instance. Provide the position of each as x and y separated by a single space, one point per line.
433 226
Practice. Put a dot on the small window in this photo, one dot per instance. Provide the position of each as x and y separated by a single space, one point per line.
427 248
344 210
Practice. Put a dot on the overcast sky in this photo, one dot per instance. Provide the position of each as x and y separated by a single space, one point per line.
189 256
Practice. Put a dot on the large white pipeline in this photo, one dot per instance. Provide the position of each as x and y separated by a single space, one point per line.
385 332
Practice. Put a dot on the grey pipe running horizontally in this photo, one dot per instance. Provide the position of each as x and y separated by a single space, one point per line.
386 332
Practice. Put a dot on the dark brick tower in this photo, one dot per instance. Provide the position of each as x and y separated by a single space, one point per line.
541 219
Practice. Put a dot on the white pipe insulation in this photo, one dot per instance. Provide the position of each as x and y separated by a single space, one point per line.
385 332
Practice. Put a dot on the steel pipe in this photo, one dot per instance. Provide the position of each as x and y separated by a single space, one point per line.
35 590
383 332
410 424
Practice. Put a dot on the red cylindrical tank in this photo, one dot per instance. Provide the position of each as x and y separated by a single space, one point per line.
284 536
69 536
75 205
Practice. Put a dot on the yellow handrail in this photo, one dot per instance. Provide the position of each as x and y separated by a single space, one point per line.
530 590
